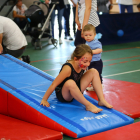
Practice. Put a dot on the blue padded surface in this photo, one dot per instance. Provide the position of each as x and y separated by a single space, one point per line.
30 84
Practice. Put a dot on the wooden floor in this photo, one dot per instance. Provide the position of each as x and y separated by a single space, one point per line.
121 61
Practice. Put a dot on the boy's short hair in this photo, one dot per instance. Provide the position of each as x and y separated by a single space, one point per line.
138 6
89 27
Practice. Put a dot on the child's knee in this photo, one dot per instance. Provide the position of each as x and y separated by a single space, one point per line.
70 83
93 71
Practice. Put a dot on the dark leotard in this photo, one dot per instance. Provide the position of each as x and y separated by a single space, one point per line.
74 76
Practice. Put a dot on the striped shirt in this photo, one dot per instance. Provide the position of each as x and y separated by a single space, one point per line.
93 18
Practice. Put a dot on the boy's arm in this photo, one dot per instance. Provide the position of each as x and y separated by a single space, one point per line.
97 51
97 47
1 48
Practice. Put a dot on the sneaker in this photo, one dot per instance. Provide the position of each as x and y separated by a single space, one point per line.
60 41
50 41
90 88
65 37
26 59
70 38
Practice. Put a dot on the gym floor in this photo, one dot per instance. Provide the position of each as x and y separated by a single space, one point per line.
121 61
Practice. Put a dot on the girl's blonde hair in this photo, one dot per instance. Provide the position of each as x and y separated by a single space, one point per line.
81 50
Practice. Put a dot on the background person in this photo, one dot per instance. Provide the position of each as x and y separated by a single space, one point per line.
74 2
66 20
104 6
60 8
19 15
89 32
12 40
125 4
86 13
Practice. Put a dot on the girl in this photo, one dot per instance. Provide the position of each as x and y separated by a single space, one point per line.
72 81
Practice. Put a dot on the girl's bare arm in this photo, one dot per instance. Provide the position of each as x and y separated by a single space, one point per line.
66 71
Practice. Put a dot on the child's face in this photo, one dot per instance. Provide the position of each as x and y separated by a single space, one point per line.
19 3
84 61
89 35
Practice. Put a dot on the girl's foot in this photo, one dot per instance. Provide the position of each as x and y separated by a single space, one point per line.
93 108
104 103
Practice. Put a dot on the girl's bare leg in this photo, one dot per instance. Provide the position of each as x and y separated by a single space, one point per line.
70 91
92 75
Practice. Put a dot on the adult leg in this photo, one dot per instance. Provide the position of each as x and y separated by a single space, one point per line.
92 75
66 23
122 8
74 24
52 22
17 21
60 14
129 8
23 23
70 90
78 39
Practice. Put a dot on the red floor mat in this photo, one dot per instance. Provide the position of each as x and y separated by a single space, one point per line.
13 129
124 96
128 132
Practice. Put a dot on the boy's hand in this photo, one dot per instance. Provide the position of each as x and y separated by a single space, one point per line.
45 103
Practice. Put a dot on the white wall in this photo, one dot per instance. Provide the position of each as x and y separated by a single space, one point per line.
28 2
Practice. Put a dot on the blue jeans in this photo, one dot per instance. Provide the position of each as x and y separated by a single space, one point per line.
74 23
21 23
67 17
123 7
60 14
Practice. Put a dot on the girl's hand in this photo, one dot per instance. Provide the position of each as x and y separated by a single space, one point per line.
44 102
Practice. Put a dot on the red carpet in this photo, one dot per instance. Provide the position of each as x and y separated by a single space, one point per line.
124 96
128 132
14 129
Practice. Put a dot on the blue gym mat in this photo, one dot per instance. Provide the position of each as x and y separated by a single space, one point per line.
29 85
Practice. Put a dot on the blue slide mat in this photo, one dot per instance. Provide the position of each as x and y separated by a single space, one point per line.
29 85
